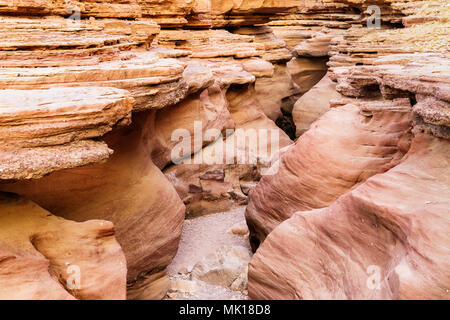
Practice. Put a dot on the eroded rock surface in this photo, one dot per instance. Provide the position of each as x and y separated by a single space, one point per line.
400 249
313 104
40 133
384 237
214 179
68 143
327 161
127 190
46 257
94 95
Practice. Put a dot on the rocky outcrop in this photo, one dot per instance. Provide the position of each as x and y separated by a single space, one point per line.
40 133
391 80
313 104
326 162
85 71
55 143
215 179
308 32
386 239
46 257
226 267
107 107
398 252
147 229
243 73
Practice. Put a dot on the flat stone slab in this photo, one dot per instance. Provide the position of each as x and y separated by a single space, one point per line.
46 130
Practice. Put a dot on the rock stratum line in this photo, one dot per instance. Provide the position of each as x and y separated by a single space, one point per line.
356 182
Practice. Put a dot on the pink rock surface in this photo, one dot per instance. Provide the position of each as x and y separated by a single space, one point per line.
387 239
328 160
46 257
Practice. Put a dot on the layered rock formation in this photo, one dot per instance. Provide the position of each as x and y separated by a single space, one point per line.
308 31
91 94
47 257
51 134
107 107
398 252
243 74
218 178
379 237
91 181
326 162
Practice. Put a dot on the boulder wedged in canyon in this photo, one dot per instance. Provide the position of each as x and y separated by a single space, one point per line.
46 257
400 249
385 236
96 179
313 104
327 161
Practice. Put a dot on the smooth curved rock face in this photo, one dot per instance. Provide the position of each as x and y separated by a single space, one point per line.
42 131
46 257
381 238
271 92
387 239
117 177
126 190
211 184
342 149
203 111
313 104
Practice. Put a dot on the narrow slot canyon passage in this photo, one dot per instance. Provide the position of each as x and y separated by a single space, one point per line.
212 258
224 150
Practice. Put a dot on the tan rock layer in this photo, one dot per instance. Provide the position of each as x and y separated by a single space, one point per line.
382 238
127 190
170 13
47 257
420 77
207 185
53 41
42 131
